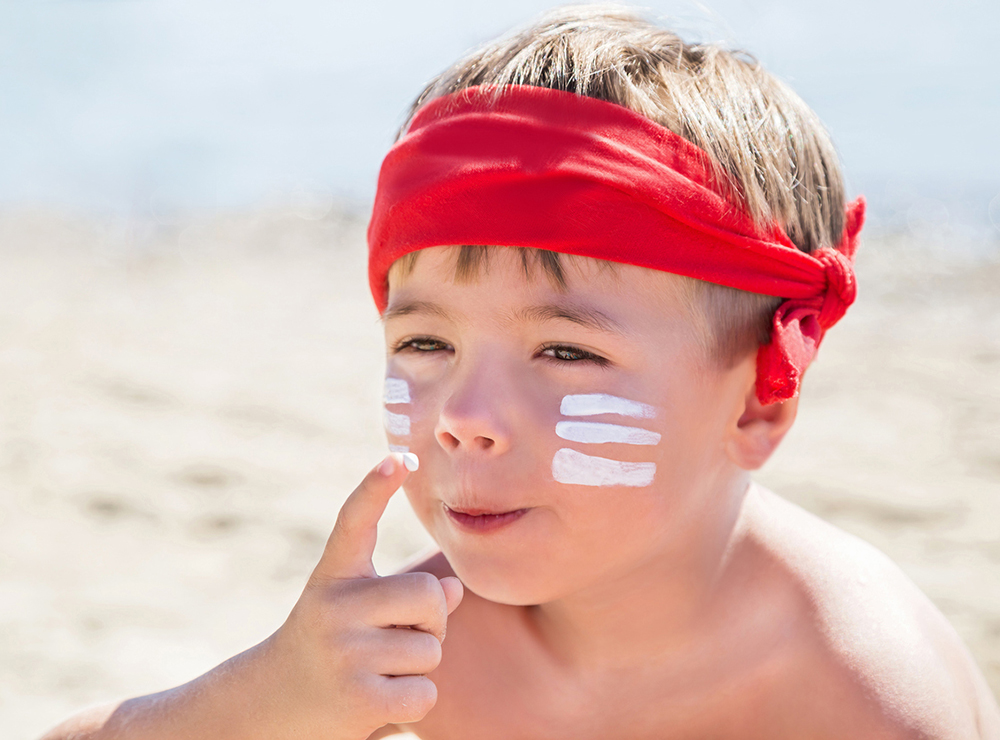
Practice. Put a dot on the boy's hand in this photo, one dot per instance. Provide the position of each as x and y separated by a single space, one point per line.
353 654
351 657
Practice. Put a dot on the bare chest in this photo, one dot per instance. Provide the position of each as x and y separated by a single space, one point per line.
506 694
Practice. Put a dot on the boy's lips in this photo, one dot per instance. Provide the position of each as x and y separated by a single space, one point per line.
482 520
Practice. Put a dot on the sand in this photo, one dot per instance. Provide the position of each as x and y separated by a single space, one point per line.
184 406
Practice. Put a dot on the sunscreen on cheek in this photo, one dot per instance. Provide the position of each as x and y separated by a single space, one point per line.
592 404
396 391
576 468
397 424
592 432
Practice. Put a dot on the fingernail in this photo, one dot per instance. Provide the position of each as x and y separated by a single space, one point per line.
387 467
411 461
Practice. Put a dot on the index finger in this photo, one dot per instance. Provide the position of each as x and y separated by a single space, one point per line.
348 552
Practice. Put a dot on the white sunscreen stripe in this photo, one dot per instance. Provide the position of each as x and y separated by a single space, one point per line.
592 432
396 391
575 468
398 448
591 404
398 424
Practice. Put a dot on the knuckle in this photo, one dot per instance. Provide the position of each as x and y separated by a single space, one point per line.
425 582
423 651
413 700
412 652
431 651
423 697
428 588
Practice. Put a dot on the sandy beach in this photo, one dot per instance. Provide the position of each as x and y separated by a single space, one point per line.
184 406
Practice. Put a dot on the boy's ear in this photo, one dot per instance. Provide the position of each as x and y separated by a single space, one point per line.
759 429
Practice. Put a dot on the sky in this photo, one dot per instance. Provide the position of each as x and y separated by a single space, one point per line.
156 107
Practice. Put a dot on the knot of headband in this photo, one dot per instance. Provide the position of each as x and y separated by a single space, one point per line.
526 166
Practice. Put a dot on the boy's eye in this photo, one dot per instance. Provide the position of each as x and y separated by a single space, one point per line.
421 344
568 353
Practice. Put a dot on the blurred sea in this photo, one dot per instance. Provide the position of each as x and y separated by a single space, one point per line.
150 108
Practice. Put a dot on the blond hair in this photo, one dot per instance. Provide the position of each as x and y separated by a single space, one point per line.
769 146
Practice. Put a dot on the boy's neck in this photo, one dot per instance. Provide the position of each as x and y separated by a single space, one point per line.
660 606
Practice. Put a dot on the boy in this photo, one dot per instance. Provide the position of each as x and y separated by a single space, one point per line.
585 414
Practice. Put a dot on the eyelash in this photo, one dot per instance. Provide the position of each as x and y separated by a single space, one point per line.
412 343
577 354
581 355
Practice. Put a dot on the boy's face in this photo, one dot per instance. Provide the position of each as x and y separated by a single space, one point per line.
507 389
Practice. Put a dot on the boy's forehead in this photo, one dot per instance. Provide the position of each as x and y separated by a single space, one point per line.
513 269
514 266
594 293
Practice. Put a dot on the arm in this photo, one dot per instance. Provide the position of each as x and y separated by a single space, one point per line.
165 714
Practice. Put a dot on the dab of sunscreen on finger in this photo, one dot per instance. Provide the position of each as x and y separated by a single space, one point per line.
592 404
575 468
411 461
397 424
396 390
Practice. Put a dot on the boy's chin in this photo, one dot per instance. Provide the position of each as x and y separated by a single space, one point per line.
504 584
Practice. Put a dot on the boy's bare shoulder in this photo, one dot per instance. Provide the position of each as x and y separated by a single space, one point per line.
873 625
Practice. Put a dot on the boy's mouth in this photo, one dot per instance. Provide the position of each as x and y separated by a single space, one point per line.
482 520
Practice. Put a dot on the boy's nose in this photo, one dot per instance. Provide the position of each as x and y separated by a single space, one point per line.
474 419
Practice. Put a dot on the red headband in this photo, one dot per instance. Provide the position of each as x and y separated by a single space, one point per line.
532 167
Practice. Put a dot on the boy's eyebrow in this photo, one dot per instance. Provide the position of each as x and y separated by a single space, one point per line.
415 307
590 318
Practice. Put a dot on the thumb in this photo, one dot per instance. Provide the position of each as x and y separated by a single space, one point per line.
348 552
